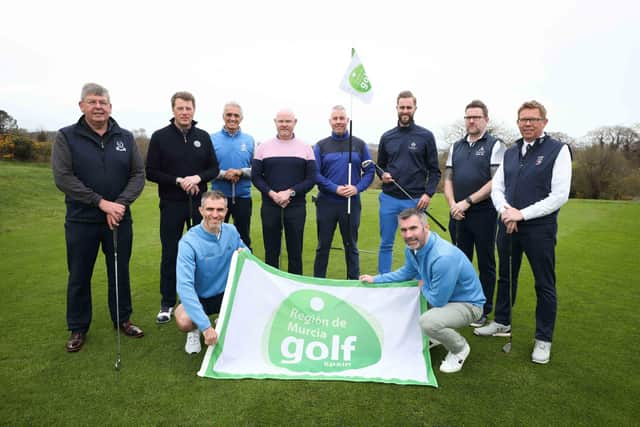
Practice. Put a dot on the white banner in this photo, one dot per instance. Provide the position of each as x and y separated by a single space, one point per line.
274 324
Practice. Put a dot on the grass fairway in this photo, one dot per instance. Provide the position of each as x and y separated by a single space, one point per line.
592 378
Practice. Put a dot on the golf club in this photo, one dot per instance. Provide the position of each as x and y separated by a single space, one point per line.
507 347
190 220
366 163
336 248
115 268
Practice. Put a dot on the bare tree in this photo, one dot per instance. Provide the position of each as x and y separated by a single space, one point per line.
622 138
457 131
7 123
142 141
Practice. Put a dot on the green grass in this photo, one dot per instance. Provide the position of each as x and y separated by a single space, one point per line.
592 378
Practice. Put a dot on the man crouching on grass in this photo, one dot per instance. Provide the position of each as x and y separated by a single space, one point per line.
451 285
204 258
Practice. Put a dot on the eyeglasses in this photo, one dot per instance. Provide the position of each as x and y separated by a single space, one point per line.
473 117
530 120
94 102
236 115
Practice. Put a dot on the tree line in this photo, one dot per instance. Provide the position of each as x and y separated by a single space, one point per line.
606 161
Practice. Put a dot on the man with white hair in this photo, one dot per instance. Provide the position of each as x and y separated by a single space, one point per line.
234 150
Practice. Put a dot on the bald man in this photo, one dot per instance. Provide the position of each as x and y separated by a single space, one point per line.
284 170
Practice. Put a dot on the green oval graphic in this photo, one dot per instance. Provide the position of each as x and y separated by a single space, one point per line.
358 79
314 331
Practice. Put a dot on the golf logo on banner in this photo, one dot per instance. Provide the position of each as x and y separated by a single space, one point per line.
274 324
317 332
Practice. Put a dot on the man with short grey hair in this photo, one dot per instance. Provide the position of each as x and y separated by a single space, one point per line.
339 196
96 164
450 285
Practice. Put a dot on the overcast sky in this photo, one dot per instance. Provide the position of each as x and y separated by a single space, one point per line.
581 59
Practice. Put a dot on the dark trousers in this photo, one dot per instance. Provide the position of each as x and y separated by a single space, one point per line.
538 243
274 219
478 230
240 210
328 214
174 214
83 241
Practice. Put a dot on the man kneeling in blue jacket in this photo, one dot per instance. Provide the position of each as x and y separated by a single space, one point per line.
204 258
451 285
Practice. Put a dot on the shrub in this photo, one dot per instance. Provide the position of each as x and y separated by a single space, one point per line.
23 148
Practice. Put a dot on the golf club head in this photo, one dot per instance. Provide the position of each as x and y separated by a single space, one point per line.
118 364
507 347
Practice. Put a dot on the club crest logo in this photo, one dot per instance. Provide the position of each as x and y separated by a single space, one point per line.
197 144
480 151
314 331
413 146
539 160
243 147
120 146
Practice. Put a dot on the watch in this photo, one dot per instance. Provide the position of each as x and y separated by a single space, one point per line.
293 194
469 200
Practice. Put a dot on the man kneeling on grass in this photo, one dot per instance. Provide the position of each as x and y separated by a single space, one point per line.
204 257
451 285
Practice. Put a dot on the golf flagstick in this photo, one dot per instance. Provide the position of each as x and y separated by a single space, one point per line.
115 268
347 246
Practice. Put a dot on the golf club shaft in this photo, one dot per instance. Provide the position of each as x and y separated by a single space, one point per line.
190 221
115 272
367 162
507 347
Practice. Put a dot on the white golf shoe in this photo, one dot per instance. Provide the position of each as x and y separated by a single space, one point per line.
493 329
164 316
192 346
453 361
541 352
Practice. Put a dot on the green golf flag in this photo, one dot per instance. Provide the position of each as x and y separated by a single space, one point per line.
355 80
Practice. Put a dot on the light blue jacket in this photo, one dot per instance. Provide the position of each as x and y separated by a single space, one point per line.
447 273
233 152
202 268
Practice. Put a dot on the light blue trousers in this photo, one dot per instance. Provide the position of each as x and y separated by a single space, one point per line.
390 207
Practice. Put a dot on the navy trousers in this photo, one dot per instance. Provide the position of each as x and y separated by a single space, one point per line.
291 219
240 210
537 242
328 214
478 230
174 214
83 241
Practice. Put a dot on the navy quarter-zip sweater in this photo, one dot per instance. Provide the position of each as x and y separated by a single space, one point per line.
410 155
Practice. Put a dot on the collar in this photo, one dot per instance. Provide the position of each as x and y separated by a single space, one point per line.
193 125
82 124
431 241
412 124
224 131
466 138
343 137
